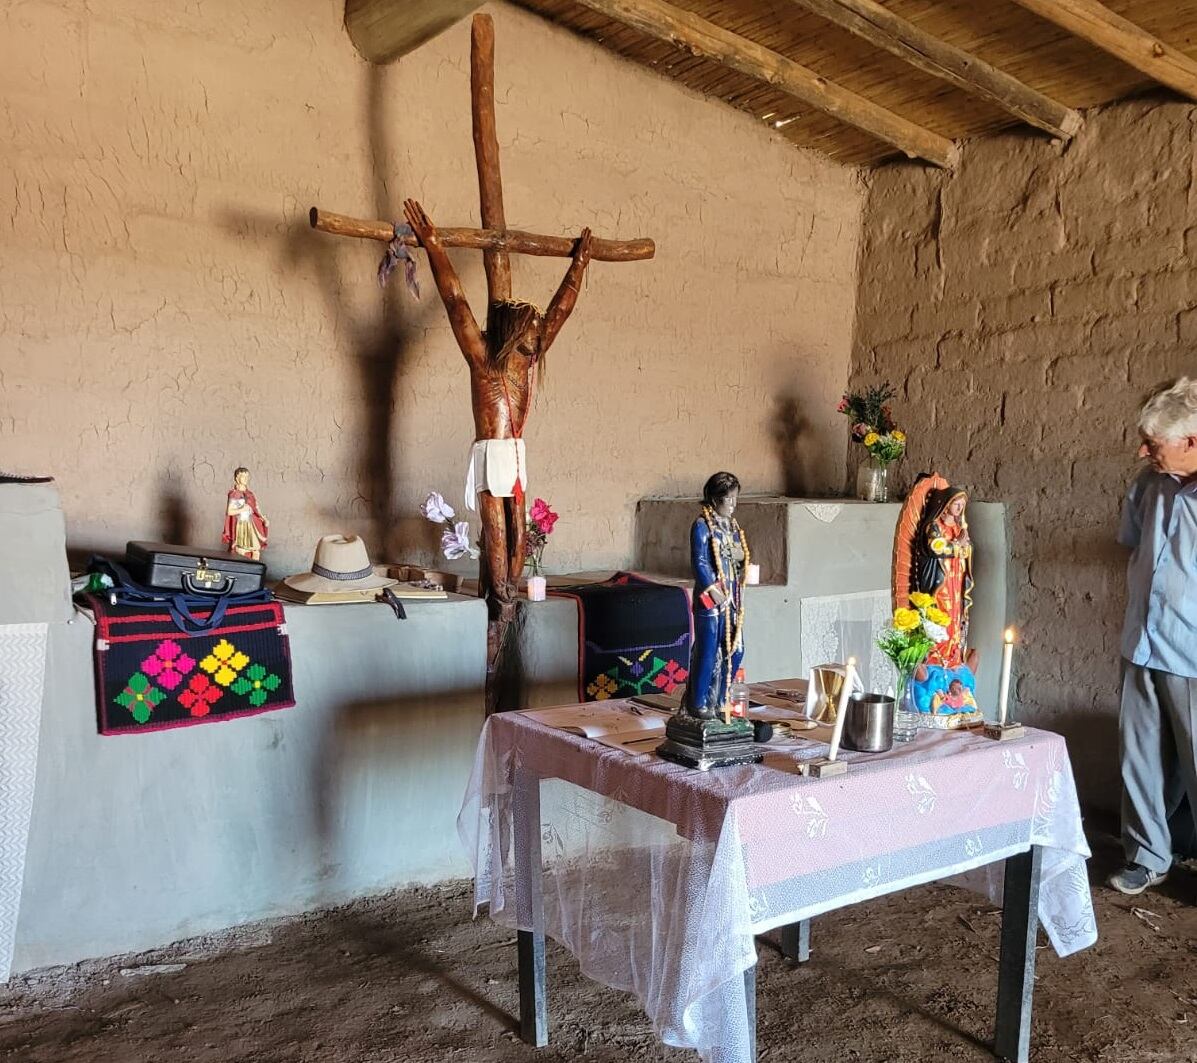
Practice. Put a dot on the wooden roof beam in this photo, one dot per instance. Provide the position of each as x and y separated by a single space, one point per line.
685 30
382 30
1101 27
879 26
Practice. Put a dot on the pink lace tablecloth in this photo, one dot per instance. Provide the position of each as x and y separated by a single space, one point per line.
657 877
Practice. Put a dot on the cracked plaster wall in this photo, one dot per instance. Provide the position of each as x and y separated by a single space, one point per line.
1023 305
167 314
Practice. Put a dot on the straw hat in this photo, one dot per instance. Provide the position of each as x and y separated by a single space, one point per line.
341 564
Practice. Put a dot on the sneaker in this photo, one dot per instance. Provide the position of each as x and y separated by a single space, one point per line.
1135 878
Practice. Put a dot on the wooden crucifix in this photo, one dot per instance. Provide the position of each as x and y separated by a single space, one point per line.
503 359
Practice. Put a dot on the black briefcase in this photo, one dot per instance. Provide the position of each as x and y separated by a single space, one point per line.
192 570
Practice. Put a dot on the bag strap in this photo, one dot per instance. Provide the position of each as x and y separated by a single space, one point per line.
180 606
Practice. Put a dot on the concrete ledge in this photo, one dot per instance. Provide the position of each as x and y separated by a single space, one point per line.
140 840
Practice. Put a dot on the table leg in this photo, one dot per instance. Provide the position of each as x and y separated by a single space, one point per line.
1016 970
750 998
795 941
529 906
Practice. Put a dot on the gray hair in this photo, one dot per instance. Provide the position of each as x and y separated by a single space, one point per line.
1171 411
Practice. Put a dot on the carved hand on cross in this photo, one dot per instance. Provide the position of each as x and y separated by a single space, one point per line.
461 317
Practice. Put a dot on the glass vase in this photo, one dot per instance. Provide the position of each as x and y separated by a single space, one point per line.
872 481
906 716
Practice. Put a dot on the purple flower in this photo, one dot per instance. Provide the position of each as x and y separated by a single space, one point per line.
436 509
455 541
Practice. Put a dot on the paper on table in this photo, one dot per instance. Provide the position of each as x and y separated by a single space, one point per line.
601 719
774 709
638 743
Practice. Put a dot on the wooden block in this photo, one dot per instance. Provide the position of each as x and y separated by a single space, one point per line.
822 768
1003 732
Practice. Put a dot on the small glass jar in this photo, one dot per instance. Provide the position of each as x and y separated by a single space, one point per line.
872 481
737 697
906 716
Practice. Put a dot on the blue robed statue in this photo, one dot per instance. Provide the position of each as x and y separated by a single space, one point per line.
719 557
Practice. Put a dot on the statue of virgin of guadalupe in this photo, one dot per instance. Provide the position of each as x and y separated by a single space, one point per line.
719 556
944 561
933 557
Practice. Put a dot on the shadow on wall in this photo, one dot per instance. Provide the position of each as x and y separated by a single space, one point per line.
386 791
1093 749
791 432
381 346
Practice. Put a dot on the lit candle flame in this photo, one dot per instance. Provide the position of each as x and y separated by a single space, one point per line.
1009 635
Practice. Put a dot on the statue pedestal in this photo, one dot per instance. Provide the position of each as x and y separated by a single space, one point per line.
705 744
1003 732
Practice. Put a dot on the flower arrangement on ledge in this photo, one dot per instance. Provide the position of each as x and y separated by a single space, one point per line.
873 422
873 428
541 519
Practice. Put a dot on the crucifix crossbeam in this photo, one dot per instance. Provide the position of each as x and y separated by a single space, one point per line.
494 239
514 241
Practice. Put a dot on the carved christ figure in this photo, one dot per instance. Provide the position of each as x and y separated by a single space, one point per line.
503 363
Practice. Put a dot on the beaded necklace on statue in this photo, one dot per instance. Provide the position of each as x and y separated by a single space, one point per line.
735 591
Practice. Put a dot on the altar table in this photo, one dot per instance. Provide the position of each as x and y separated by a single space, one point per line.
657 877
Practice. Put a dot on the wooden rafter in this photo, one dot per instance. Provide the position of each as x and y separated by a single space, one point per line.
382 30
1101 27
879 26
703 38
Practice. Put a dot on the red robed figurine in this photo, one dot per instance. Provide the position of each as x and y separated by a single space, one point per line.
246 530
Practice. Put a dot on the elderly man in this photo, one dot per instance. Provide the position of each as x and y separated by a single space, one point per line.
1159 641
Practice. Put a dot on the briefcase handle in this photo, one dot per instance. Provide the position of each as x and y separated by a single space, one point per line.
192 587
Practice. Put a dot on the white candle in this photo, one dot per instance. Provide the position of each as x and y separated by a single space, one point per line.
842 708
754 574
1004 686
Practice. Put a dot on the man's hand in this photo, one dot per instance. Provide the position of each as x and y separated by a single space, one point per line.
421 224
582 251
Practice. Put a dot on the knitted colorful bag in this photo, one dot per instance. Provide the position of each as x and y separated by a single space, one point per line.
151 676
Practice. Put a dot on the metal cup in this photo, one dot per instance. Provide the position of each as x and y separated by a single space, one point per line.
869 723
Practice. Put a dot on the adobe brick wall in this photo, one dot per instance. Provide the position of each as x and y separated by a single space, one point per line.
166 313
1023 305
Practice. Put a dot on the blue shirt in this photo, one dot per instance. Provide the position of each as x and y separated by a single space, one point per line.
1159 520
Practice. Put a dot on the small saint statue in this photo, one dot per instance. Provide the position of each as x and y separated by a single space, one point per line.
719 558
933 556
704 734
246 529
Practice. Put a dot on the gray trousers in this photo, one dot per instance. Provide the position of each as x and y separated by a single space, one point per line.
1158 746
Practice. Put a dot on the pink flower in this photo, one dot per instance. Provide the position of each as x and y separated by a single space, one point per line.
843 406
860 430
543 516
168 664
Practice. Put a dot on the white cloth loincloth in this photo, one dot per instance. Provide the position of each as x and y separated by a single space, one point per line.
495 464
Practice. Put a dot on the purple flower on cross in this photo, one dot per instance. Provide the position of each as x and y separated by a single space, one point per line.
455 541
436 509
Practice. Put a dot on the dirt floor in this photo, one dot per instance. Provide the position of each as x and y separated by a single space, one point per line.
411 977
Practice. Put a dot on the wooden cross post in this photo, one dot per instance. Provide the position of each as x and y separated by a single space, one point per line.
504 358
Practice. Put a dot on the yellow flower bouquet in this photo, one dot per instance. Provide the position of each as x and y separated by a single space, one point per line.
912 634
873 423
